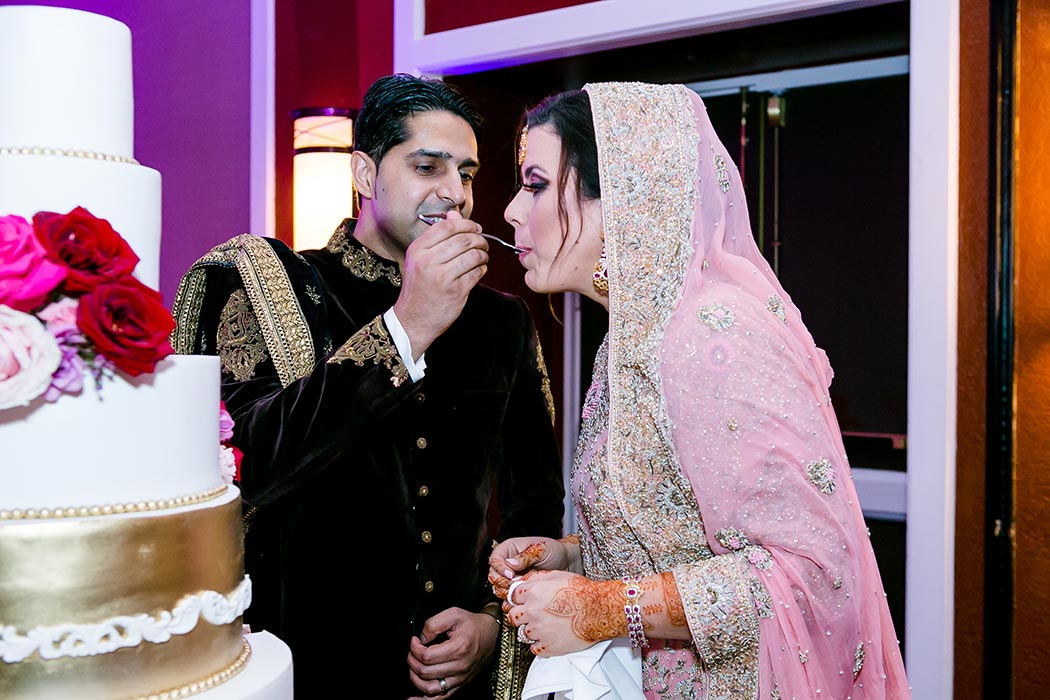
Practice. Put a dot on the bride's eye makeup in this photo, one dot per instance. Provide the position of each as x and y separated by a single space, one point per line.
534 186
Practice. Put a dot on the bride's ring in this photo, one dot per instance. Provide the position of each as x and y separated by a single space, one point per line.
510 591
524 638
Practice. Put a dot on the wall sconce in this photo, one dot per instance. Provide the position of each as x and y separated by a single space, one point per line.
322 185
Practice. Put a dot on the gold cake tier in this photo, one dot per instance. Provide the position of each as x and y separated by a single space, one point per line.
121 607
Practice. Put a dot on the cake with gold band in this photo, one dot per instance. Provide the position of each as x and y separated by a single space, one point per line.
121 548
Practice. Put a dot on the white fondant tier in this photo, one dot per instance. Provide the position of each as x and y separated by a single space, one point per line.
126 195
268 675
149 438
74 87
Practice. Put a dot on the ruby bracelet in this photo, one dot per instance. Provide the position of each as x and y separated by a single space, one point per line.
633 611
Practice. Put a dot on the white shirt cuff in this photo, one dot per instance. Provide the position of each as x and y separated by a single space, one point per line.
404 346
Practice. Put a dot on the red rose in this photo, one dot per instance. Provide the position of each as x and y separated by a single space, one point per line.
238 457
86 245
128 324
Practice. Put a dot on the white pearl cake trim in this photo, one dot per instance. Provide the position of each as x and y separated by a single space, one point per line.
209 683
66 152
111 509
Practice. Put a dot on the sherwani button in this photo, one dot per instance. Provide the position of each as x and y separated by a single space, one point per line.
420 398
421 443
428 586
424 491
427 537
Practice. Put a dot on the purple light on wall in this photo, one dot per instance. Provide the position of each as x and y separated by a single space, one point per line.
191 68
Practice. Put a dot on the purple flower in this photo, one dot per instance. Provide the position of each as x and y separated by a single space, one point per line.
69 377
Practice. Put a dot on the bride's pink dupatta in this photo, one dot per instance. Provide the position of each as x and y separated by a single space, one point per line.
723 452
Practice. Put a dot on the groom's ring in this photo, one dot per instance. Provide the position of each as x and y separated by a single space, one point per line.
443 684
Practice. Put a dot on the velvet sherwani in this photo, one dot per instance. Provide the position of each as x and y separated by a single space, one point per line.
367 495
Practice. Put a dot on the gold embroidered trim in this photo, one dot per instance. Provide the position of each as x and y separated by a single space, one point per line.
189 298
111 508
373 343
239 339
361 261
650 186
246 518
541 365
723 611
270 295
508 681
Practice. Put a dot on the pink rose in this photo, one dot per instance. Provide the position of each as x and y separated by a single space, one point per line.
59 315
227 464
61 320
225 423
29 355
27 277
88 246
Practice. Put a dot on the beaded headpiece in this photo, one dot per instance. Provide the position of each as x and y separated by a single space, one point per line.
523 144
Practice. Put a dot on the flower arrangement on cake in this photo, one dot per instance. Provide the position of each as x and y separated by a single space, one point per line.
70 307
229 455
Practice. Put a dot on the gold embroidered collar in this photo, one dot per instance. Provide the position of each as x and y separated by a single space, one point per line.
361 261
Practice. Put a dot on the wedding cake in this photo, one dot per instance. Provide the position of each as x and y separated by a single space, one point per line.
121 549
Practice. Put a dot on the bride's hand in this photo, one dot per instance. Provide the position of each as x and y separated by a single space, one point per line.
517 556
559 612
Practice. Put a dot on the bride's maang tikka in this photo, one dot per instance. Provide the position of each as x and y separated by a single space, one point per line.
523 142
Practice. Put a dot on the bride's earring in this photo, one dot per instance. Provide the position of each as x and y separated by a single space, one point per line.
600 276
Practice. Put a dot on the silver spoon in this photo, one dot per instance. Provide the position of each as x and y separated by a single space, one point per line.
431 220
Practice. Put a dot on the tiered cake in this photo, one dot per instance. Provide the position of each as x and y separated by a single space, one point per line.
121 550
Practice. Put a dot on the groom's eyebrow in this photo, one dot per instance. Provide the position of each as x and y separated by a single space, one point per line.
443 155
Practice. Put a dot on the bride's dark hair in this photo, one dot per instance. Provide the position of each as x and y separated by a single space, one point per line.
568 114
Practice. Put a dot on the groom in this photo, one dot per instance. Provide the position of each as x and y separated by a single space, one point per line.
383 398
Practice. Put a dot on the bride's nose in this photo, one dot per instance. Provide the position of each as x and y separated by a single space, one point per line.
515 214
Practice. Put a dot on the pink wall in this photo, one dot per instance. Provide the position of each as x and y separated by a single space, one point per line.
192 89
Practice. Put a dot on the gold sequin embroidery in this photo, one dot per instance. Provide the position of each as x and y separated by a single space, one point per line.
269 292
239 338
361 261
372 343
721 172
523 144
649 195
545 384
822 474
716 315
776 307
763 601
858 660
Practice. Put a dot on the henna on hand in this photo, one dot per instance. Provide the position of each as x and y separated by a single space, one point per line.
673 599
595 607
532 554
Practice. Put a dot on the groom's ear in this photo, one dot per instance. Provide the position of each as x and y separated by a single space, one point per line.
363 170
